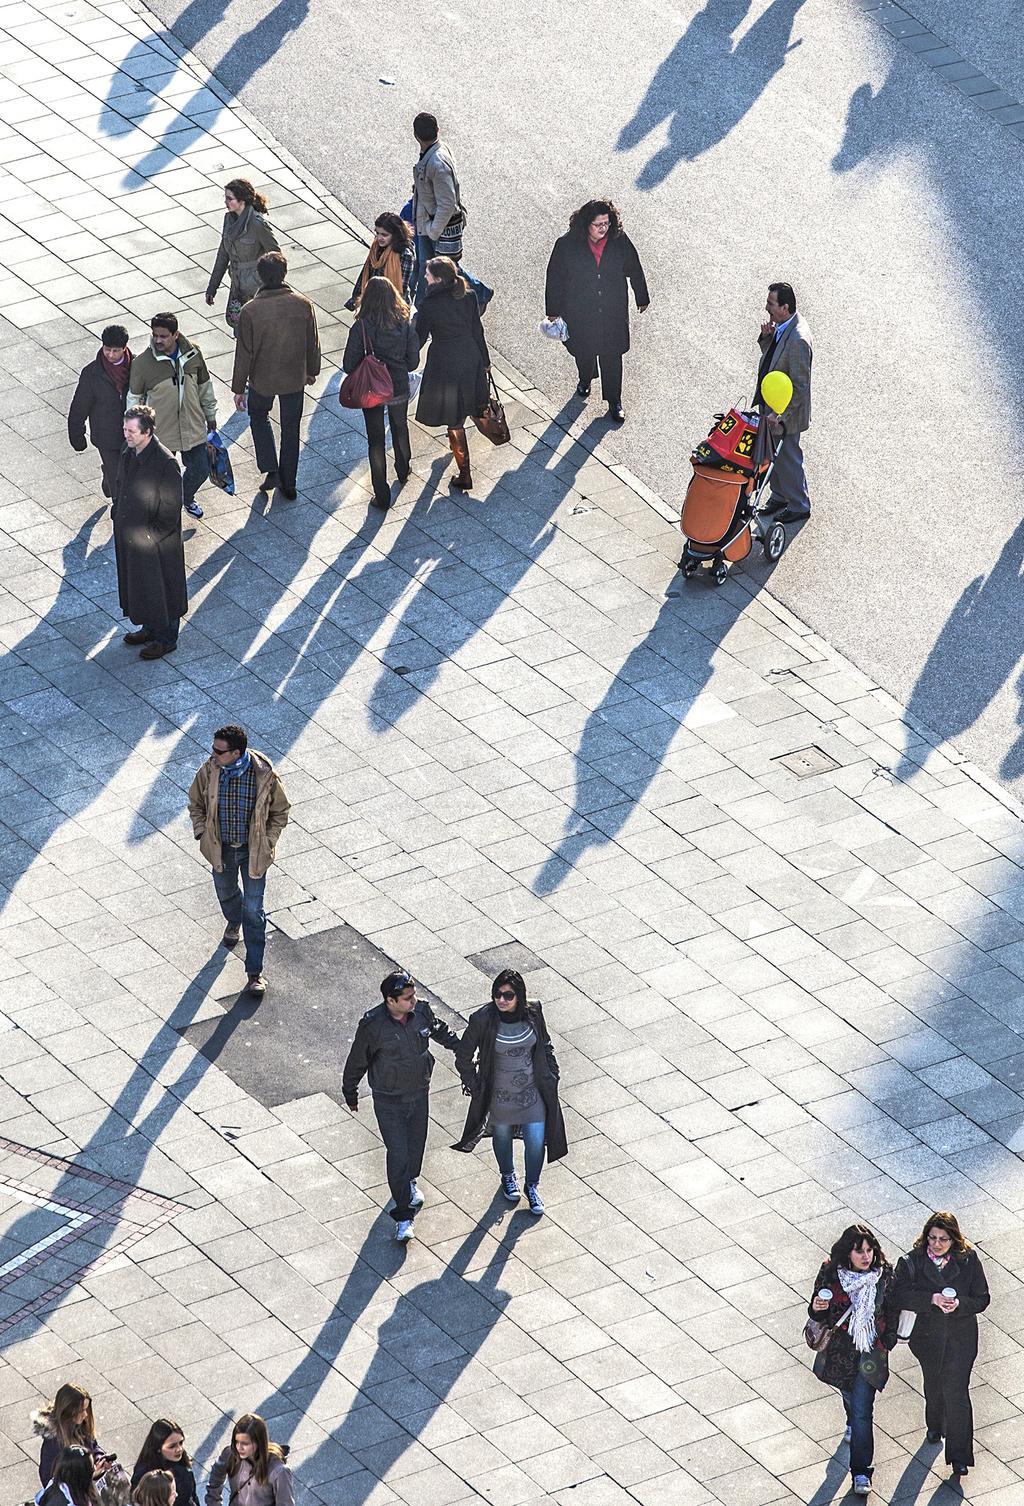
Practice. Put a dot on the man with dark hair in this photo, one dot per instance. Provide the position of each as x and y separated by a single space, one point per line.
100 399
785 342
392 1043
239 810
146 514
277 354
438 215
172 378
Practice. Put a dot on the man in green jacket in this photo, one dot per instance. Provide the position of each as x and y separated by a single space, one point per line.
172 378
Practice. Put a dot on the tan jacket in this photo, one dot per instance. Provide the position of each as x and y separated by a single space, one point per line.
277 348
269 815
181 395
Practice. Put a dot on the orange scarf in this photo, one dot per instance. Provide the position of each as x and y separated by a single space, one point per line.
386 263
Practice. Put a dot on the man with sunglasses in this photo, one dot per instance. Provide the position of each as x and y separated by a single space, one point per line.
239 809
392 1045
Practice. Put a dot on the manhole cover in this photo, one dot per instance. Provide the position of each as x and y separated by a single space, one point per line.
806 762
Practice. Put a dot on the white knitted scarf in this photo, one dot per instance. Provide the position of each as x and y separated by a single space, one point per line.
859 1286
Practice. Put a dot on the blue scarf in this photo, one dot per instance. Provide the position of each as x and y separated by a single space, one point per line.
233 770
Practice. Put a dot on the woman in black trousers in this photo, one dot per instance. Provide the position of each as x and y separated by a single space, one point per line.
587 279
383 326
943 1283
457 365
508 1069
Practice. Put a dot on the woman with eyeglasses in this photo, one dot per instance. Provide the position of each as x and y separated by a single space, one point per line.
72 1482
943 1283
508 1069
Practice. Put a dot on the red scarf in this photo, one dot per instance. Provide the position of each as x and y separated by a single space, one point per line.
597 248
119 375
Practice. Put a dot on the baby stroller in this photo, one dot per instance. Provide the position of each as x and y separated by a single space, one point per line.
722 514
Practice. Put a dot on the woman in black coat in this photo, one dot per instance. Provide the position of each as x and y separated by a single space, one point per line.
164 1448
100 399
588 273
853 1295
458 363
147 537
943 1283
383 326
512 1085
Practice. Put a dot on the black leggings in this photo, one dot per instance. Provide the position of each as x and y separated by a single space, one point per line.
398 418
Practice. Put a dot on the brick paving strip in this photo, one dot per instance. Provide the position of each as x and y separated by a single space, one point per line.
783 998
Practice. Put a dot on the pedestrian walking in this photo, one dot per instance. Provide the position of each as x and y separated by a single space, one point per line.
245 236
785 342
391 255
508 1069
590 271
253 1467
100 400
148 548
156 1488
239 810
171 377
392 1047
943 1283
437 210
458 364
277 354
72 1482
854 1296
164 1449
383 327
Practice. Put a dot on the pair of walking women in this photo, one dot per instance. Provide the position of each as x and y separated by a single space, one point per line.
933 1297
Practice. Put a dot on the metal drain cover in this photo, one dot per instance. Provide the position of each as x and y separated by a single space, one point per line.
806 762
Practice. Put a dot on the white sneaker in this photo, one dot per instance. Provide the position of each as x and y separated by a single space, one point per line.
861 1485
416 1201
404 1232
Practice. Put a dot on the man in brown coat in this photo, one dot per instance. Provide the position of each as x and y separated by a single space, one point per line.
277 353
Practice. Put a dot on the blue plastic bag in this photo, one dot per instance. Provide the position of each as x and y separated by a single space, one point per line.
219 462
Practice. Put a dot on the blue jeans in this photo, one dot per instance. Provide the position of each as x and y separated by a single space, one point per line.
424 251
533 1139
859 1401
243 906
196 469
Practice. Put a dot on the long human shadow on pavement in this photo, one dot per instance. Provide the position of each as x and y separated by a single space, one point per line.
708 82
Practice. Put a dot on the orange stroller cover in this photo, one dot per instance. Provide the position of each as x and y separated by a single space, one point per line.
712 498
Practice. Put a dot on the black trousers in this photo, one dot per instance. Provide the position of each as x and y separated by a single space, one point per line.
290 404
398 418
946 1353
611 375
403 1128
109 461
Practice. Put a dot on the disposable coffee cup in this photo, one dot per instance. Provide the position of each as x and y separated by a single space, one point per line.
825 1295
949 1291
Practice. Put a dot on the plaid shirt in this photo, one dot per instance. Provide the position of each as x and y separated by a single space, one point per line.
235 802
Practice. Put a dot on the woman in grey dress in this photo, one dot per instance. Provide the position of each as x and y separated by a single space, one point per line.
508 1069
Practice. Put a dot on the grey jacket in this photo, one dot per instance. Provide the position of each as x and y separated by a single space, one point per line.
243 241
245 1491
435 191
793 355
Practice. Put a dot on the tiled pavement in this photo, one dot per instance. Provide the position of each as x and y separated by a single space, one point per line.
780 1002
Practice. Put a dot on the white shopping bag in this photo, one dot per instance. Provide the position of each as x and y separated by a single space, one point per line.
554 329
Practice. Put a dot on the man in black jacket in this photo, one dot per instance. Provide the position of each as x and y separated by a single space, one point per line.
100 398
392 1044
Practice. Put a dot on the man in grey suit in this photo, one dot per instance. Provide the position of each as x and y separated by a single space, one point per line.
785 342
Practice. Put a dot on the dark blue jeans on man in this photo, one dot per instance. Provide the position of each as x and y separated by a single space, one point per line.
425 249
243 905
859 1401
290 405
167 633
403 1128
196 470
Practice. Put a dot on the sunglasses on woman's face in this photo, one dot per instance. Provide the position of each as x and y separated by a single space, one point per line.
505 993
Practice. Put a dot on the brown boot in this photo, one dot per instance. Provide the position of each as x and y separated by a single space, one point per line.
460 449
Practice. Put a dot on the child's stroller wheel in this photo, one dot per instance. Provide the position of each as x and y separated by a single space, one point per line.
720 575
688 565
774 542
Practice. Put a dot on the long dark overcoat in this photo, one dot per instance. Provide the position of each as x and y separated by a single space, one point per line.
454 383
478 1078
839 1363
594 300
147 537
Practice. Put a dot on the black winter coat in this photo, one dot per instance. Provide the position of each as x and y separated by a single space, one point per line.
949 1339
478 1078
594 300
396 1056
397 346
455 375
184 1480
146 515
97 400
839 1363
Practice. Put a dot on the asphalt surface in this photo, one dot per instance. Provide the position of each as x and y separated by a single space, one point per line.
743 142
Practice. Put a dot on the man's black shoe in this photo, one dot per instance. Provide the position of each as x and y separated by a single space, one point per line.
269 482
616 414
776 505
288 492
140 635
583 390
789 516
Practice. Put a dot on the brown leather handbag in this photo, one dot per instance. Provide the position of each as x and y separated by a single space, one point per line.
370 385
492 422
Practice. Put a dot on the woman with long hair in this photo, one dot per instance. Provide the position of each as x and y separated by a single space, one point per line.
244 237
383 326
943 1283
458 363
73 1481
391 255
254 1468
853 1295
508 1069
589 274
66 1422
156 1488
164 1449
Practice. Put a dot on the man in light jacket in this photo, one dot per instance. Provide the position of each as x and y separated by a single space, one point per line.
277 354
172 378
436 200
785 342
239 809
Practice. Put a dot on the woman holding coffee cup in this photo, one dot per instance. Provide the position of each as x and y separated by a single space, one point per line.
853 1295
943 1283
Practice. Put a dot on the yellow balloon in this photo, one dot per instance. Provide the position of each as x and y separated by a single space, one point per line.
777 391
